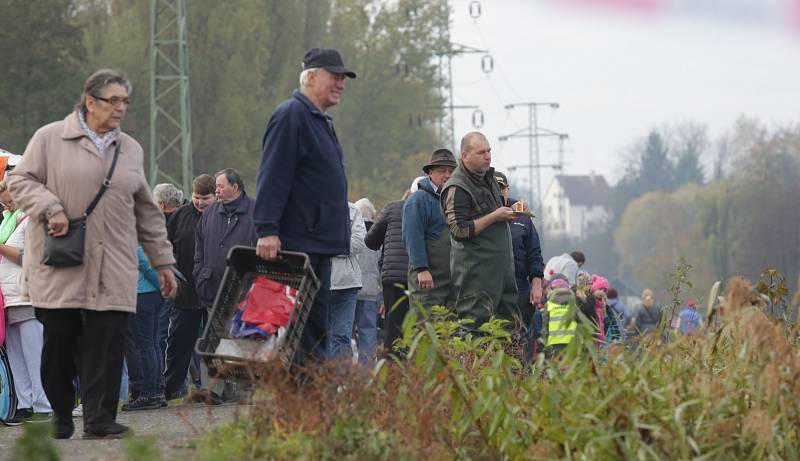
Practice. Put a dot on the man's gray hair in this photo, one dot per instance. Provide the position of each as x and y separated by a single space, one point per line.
98 81
367 209
168 194
232 176
304 76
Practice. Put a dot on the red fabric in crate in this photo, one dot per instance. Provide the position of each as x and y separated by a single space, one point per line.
268 304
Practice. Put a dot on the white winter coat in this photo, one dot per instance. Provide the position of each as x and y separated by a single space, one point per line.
10 271
345 271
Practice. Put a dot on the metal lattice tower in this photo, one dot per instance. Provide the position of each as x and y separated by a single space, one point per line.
533 132
170 124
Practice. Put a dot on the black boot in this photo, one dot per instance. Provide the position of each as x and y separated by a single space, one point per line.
107 431
63 427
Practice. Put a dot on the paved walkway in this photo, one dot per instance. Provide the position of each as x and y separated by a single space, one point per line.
171 427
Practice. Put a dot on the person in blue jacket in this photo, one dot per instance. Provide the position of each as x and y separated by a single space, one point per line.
145 363
689 319
301 187
427 237
528 262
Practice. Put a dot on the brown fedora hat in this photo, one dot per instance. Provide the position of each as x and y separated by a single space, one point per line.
440 157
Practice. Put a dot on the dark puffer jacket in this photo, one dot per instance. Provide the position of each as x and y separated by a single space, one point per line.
388 231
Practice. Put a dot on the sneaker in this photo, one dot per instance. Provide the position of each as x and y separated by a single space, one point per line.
63 428
20 416
40 418
107 431
143 403
77 412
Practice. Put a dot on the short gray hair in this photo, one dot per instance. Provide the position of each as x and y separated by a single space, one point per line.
232 176
304 76
168 194
367 209
98 81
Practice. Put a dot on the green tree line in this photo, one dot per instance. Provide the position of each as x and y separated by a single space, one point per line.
738 219
244 59
738 225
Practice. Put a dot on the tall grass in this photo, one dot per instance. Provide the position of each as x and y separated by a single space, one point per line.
728 392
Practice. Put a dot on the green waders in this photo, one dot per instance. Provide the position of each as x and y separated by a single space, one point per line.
483 275
441 294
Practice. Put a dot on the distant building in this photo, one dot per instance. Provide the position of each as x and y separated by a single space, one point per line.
573 205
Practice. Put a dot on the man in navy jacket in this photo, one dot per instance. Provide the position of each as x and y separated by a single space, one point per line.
528 262
301 188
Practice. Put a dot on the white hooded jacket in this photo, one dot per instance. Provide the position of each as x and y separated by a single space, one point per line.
345 270
563 264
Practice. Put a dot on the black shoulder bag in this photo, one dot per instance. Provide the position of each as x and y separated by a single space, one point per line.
67 250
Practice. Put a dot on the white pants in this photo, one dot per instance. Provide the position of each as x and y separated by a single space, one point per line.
24 345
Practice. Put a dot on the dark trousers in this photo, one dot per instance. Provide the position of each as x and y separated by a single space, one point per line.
533 336
396 305
148 312
93 339
165 316
312 341
184 329
526 308
133 360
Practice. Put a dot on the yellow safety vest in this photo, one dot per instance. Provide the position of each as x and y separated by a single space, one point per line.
560 330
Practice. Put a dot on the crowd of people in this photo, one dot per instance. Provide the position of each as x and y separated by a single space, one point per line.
117 319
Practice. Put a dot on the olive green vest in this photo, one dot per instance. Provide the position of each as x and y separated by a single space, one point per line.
485 192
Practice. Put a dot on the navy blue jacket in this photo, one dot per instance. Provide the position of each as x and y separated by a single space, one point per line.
301 188
215 234
423 220
528 262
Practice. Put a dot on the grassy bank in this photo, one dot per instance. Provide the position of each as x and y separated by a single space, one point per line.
729 392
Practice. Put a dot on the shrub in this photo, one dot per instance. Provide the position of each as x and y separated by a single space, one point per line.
728 392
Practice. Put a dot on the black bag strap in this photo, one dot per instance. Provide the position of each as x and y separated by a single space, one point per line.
106 182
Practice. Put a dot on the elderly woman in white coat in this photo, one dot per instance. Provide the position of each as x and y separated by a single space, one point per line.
23 331
84 308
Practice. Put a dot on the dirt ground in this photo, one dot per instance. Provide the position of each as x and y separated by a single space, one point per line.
172 428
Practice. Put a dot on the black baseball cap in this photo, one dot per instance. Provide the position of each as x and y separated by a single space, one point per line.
501 179
328 59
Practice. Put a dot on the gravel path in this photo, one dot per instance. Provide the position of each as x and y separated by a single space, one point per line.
171 427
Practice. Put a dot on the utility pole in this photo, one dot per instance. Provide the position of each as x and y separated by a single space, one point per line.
533 133
447 122
170 123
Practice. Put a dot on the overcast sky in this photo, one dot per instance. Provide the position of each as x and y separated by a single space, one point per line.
619 73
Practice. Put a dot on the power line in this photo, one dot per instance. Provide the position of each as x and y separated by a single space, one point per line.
533 132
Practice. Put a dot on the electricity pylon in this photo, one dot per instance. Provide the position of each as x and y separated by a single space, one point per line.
170 121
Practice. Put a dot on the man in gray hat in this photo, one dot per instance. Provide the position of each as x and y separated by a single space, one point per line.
426 236
301 187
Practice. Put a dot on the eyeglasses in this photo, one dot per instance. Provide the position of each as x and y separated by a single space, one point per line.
115 100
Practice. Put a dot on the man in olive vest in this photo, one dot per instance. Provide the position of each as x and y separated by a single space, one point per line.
426 237
481 256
